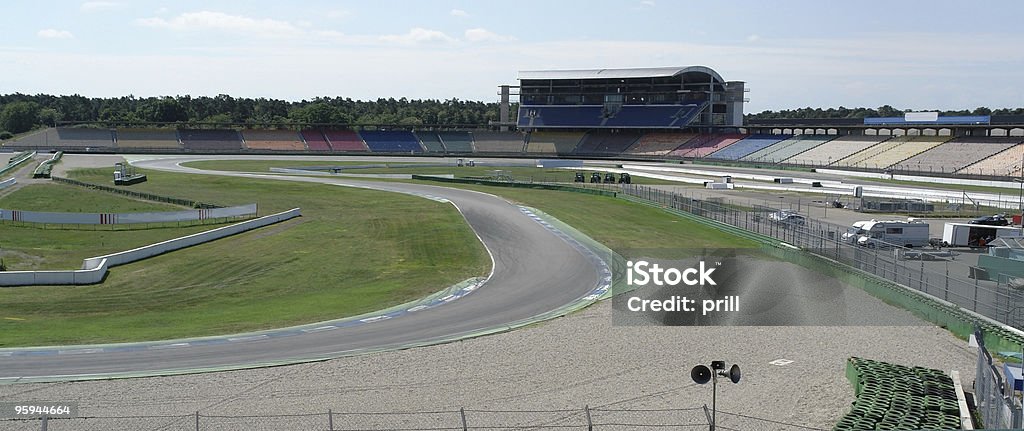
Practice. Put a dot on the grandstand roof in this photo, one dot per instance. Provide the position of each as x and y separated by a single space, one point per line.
639 72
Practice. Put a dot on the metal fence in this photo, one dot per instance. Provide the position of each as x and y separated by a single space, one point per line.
937 274
586 418
996 403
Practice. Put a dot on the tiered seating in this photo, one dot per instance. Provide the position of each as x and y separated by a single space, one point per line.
956 154
704 144
391 141
894 151
277 140
210 139
835 150
73 137
430 141
1006 163
344 140
543 141
604 142
42 139
652 116
658 143
315 140
746 146
561 116
498 142
459 142
156 139
786 149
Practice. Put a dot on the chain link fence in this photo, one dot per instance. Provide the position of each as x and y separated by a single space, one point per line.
997 406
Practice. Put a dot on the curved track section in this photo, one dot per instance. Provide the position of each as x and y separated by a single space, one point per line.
536 272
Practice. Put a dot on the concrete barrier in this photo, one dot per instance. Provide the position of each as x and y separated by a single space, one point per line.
7 183
95 268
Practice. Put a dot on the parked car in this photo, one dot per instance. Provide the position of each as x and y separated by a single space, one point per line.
787 217
992 220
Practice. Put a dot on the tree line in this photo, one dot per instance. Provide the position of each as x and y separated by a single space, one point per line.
21 112
882 111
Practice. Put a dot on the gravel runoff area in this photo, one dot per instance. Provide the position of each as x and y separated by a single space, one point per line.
564 364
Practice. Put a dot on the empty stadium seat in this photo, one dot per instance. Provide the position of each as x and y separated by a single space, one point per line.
391 141
658 143
606 142
704 144
788 148
275 140
836 150
954 155
627 116
74 137
457 142
746 146
430 141
891 152
155 139
315 140
344 140
1004 163
498 142
551 142
210 139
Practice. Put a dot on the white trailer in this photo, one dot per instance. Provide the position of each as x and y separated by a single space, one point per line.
881 233
974 235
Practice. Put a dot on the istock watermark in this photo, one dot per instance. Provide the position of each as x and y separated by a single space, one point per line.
737 287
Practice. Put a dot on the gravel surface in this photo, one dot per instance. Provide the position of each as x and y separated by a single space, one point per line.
564 364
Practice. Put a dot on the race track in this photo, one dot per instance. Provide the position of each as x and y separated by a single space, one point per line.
535 272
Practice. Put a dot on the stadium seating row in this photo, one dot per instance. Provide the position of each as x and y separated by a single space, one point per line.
967 155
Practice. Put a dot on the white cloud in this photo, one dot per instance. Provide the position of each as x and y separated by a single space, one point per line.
459 13
484 35
753 38
96 6
52 33
418 35
648 3
207 20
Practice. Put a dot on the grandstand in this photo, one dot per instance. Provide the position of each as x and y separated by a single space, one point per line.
1005 163
430 141
498 142
344 140
746 146
704 144
457 142
210 139
391 141
787 148
954 155
148 139
658 144
553 142
891 152
315 140
836 149
606 142
73 137
274 140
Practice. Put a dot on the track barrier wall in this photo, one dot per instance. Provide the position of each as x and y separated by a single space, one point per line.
7 183
17 160
241 211
137 195
95 268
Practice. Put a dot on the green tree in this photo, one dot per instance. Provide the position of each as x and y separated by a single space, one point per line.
19 117
48 117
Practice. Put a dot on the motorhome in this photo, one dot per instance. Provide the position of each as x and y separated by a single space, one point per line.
881 233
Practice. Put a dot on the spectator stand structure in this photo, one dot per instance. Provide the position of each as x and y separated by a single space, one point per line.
613 112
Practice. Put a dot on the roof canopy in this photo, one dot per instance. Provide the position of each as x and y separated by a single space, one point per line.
640 72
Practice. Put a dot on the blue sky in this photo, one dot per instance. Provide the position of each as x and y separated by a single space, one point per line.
910 54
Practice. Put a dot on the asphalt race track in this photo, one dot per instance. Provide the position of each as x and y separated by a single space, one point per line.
535 271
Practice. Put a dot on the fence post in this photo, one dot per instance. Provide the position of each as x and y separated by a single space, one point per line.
45 424
197 420
462 414
330 420
590 423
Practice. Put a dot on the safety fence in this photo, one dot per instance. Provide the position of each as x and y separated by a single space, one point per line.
947 284
586 418
997 405
138 195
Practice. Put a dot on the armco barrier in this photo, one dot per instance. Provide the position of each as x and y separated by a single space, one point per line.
127 218
7 183
17 160
135 194
95 268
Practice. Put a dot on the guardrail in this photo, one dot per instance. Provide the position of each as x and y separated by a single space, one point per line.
94 269
17 160
205 215
513 184
44 168
138 195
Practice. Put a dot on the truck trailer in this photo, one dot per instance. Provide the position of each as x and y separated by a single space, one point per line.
974 235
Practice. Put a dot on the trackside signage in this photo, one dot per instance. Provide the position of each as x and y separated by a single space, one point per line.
737 287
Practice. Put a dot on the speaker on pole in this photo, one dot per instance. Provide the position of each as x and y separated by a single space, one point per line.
700 374
734 373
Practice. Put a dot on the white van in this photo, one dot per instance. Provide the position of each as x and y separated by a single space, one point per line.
874 233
